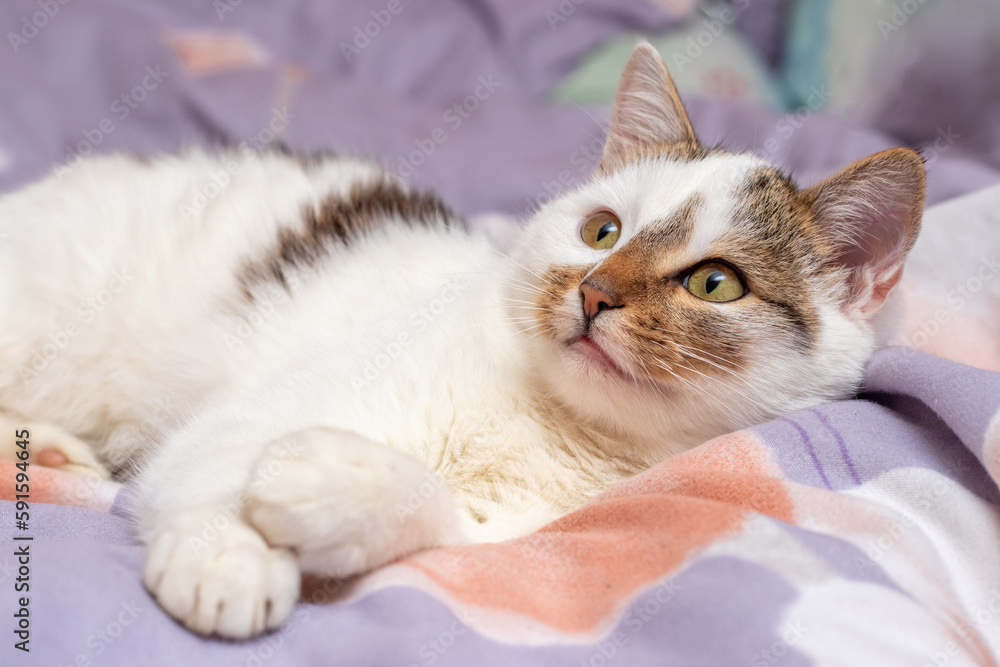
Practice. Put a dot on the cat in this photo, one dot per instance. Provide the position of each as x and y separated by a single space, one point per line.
321 370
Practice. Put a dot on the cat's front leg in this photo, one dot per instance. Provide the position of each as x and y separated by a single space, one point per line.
205 564
217 575
346 504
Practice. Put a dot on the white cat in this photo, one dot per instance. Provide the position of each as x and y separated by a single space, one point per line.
319 370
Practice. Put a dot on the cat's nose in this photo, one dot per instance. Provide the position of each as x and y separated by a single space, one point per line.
595 300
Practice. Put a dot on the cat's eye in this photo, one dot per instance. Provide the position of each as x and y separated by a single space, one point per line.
713 281
601 231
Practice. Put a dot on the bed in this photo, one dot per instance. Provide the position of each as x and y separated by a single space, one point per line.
862 532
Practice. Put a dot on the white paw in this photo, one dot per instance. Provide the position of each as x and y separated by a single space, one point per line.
346 504
228 582
52 447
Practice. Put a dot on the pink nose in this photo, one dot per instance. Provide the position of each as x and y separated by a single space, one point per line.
595 300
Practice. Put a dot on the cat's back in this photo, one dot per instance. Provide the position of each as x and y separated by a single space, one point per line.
192 216
141 284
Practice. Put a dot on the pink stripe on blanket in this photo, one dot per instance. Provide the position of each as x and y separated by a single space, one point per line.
950 330
48 485
595 559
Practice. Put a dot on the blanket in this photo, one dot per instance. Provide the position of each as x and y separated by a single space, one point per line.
863 532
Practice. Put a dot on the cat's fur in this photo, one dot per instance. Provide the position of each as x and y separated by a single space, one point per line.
320 371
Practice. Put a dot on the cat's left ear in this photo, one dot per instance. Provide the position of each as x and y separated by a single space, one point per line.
647 114
870 214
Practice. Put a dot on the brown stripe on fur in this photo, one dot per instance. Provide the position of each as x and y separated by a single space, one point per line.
674 232
773 243
337 220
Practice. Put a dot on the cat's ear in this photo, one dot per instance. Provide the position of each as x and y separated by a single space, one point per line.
647 113
870 213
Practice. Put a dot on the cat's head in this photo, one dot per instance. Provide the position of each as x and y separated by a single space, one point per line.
685 292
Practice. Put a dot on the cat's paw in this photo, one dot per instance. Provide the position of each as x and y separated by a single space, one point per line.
51 447
346 504
229 583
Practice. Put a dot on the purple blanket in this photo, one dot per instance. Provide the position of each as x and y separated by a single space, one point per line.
865 532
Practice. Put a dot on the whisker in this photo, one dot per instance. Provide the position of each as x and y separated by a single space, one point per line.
529 303
715 356
649 376
503 254
691 352
524 331
709 389
679 377
749 398
534 288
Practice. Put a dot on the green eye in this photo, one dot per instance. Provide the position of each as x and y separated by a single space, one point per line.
715 282
601 231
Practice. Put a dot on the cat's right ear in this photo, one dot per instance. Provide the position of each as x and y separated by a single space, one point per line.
869 214
647 116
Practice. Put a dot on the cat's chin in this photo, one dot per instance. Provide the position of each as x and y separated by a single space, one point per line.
583 374
594 360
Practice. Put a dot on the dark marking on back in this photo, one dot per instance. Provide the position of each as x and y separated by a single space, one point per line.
338 220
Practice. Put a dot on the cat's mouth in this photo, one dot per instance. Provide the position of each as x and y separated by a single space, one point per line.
593 354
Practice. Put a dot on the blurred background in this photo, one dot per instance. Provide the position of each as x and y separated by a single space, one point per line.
499 105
